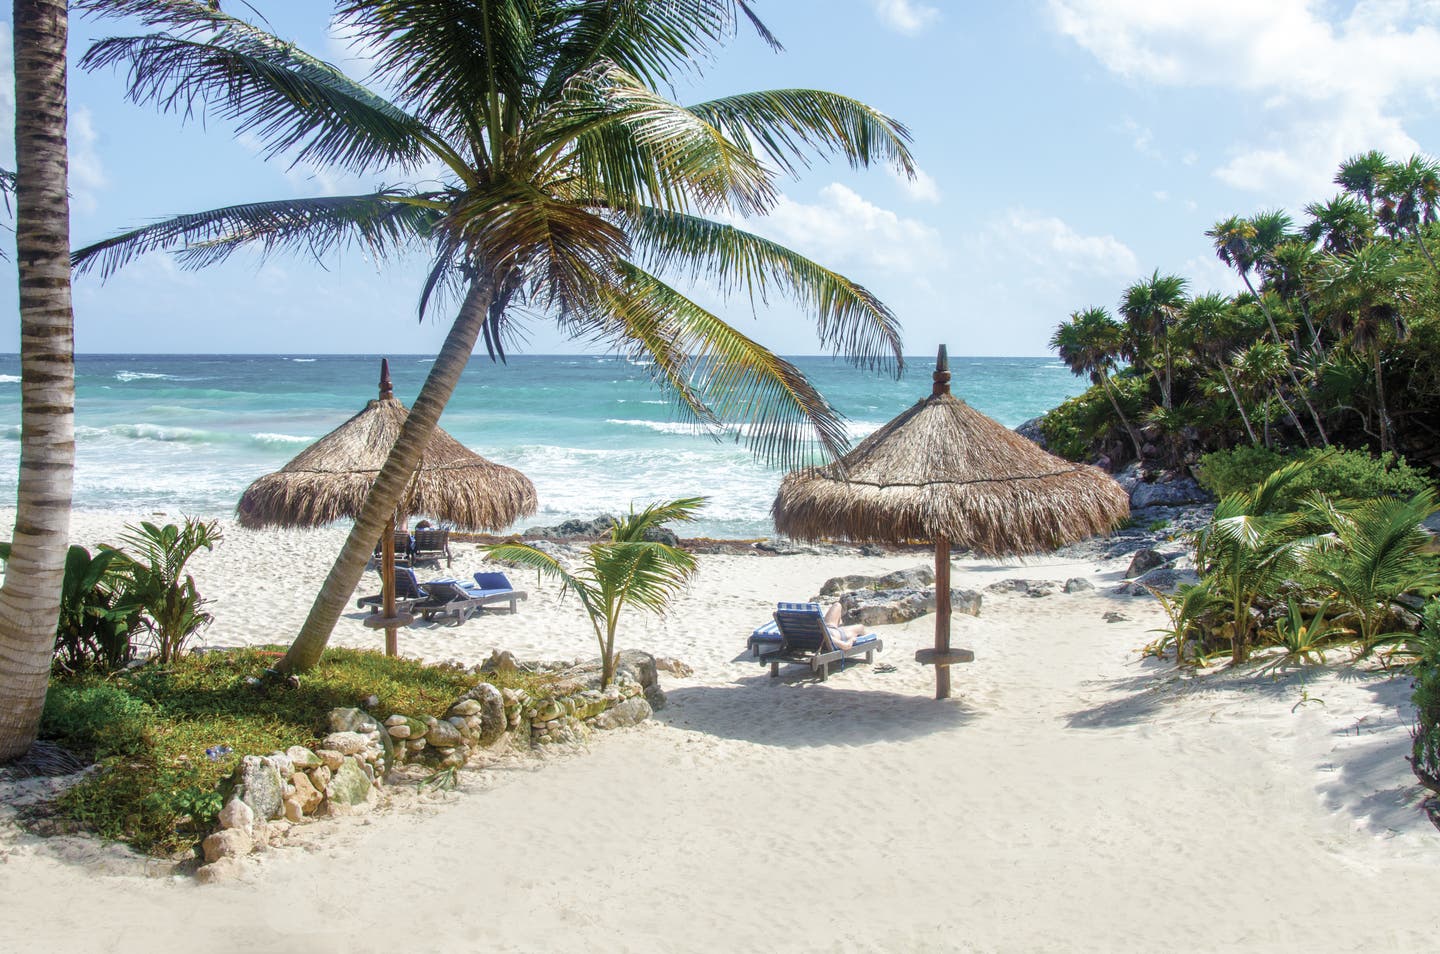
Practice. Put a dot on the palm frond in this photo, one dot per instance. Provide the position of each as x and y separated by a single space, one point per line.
632 528
851 320
292 102
381 222
643 574
735 377
629 146
789 125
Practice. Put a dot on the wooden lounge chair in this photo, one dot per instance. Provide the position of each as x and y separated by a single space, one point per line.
407 592
403 548
804 638
430 545
496 588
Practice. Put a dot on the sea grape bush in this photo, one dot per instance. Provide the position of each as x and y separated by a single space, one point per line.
1353 474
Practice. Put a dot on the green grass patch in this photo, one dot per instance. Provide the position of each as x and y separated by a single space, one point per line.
149 728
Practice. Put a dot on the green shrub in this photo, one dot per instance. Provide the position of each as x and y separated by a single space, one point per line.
1426 751
1080 425
97 718
1355 474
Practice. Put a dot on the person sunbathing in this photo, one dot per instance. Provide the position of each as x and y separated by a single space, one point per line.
843 637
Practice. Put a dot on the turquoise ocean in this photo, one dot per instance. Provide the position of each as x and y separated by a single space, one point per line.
188 433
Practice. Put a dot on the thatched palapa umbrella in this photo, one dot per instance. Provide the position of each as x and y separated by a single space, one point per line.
946 473
328 481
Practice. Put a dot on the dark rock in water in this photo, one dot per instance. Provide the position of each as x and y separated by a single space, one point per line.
1143 562
573 528
1168 493
1031 431
784 548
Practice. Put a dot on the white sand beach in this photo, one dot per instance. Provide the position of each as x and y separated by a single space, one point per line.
1073 796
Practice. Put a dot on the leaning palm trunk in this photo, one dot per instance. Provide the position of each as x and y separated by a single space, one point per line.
1275 332
1239 405
390 485
30 597
1115 403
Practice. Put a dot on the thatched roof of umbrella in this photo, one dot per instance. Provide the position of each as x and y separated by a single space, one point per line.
944 470
329 479
946 473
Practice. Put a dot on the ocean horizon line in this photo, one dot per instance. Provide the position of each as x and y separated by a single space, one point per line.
519 355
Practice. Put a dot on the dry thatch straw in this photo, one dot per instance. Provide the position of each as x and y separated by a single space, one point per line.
328 480
943 470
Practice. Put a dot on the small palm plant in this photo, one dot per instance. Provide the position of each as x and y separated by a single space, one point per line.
1186 611
156 581
1373 554
1304 643
624 570
1252 541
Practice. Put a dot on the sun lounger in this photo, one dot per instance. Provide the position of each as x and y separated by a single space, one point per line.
805 639
496 588
459 600
430 546
403 549
407 592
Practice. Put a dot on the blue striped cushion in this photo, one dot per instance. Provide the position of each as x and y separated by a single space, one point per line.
799 607
766 632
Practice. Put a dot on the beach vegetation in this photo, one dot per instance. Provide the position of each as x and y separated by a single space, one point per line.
1351 474
155 581
1334 343
1425 746
542 163
35 568
156 732
621 571
1187 612
1304 642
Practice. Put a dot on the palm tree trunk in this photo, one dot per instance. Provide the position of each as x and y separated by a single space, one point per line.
1425 249
1235 396
391 482
1275 331
1290 413
1383 411
1115 403
30 597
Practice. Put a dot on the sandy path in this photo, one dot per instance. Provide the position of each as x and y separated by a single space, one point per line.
1072 797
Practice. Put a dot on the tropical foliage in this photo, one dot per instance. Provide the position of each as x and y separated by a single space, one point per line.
155 580
622 571
544 169
1335 341
1425 758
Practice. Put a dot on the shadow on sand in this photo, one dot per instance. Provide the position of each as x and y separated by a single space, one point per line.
792 715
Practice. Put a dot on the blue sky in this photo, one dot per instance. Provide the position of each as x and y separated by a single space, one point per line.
1067 148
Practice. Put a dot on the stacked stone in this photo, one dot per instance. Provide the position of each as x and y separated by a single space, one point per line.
570 717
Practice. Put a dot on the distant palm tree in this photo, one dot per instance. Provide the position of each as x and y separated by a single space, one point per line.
1290 268
1361 175
1241 243
551 177
35 565
1214 331
1364 295
1151 308
1410 193
618 572
1339 225
1092 343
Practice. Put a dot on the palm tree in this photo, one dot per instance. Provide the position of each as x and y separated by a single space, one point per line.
1373 554
1150 308
624 570
1289 268
1249 546
1410 193
1361 175
1255 370
1091 343
1364 295
1339 225
569 186
35 566
1214 331
1241 243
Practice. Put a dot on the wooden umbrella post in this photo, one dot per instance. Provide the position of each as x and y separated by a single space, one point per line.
387 587
942 618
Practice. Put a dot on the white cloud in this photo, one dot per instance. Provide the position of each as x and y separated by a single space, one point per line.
905 16
87 172
1161 195
1050 242
922 188
1141 138
845 230
1334 81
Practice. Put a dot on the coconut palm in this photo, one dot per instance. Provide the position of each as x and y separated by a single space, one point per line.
1361 175
1091 343
35 568
551 178
1151 307
1249 546
1241 243
1364 295
621 571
